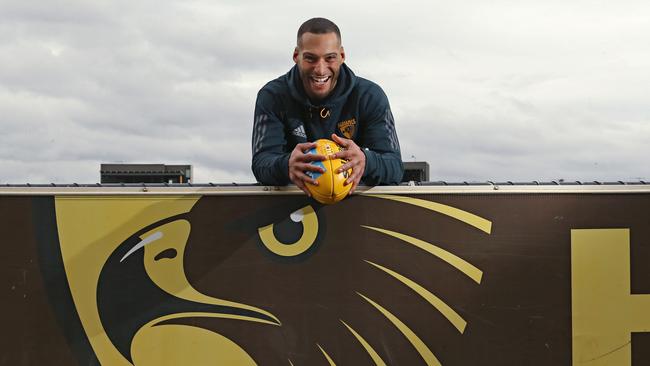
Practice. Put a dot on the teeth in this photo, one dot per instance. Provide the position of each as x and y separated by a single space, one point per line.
321 79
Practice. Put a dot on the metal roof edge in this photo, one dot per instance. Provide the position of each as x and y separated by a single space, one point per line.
255 189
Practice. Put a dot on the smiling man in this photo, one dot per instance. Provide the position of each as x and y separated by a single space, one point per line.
320 97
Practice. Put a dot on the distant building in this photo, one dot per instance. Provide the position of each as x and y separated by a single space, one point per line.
416 171
145 173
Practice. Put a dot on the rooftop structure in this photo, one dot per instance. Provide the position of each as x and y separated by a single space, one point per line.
145 173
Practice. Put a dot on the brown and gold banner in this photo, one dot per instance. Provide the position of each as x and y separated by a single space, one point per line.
427 279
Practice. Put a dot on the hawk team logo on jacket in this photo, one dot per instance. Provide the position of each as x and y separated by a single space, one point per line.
347 127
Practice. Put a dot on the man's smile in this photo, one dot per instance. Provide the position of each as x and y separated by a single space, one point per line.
319 82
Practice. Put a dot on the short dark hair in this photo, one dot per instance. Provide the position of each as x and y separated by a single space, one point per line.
318 26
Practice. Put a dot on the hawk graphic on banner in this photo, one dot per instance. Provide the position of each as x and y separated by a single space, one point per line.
263 280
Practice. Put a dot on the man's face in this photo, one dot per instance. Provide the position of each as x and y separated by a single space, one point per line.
319 58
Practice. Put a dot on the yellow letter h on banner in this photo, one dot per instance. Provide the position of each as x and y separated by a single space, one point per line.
604 312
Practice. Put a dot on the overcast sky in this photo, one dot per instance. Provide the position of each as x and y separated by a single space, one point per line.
482 90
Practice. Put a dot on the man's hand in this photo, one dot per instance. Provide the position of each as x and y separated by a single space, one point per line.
300 162
355 157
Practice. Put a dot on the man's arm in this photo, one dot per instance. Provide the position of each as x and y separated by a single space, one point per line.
271 164
270 161
378 140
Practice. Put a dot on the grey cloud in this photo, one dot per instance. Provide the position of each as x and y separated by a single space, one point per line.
482 91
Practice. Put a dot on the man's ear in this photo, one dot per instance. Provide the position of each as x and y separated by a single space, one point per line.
342 54
295 55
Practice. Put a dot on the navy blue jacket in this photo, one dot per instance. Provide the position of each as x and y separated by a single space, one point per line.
357 109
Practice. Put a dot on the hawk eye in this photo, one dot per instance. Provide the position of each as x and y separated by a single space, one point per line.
292 236
166 254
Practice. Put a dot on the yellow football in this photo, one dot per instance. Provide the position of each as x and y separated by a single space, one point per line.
331 186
